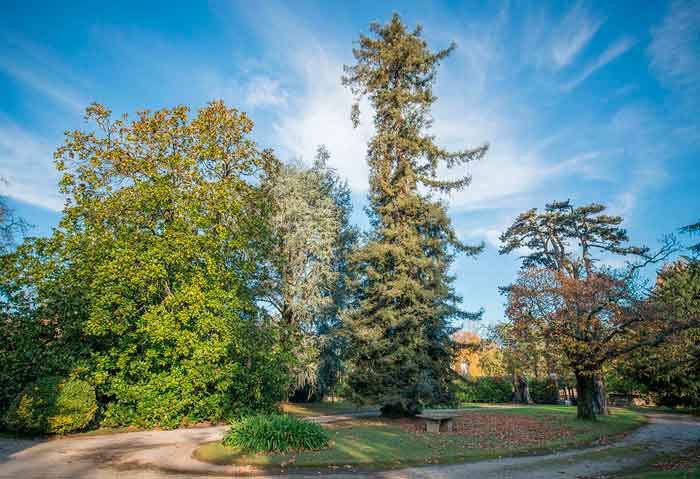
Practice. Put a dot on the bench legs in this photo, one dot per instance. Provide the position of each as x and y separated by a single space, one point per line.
447 425
432 426
443 425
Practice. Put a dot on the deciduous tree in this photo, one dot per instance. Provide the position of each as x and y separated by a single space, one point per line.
151 271
586 312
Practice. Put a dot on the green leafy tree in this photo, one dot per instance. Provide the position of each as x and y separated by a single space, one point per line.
27 346
586 313
154 266
333 345
10 225
526 355
42 308
399 329
669 373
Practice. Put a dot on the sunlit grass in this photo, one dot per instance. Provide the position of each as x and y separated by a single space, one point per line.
367 444
323 408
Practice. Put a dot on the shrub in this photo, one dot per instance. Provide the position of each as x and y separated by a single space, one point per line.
485 389
52 405
275 433
544 391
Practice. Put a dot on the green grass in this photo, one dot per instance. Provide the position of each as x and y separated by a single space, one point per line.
368 444
686 465
685 474
323 408
666 410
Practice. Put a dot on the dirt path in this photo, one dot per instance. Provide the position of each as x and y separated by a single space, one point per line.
168 455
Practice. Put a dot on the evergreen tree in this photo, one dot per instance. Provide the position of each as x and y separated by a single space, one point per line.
693 229
305 281
399 328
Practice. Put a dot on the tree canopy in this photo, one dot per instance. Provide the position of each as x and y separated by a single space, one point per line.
305 285
586 312
152 269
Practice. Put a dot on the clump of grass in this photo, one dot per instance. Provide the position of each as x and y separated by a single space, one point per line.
275 433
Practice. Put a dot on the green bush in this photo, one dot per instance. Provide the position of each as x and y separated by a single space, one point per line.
52 405
485 389
275 433
543 391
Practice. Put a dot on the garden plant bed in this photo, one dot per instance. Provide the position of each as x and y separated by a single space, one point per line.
389 443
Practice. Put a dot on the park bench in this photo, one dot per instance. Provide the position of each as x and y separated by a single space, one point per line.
438 422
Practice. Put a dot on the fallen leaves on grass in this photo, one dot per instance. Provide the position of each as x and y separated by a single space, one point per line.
499 430
487 430
688 459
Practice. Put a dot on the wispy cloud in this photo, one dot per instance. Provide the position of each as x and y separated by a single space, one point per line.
573 33
265 91
321 114
675 50
647 146
26 163
318 112
39 70
611 53
38 80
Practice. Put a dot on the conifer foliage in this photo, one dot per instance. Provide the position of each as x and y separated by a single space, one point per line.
399 328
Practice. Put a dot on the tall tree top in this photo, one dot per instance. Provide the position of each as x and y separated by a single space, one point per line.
693 229
395 70
566 238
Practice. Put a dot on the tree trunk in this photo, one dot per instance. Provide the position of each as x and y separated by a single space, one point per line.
585 400
522 392
600 400
553 396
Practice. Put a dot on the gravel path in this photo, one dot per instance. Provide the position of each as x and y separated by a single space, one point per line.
168 455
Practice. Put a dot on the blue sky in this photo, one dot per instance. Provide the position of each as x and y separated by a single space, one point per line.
581 100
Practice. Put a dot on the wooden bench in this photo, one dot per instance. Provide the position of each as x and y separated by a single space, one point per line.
438 422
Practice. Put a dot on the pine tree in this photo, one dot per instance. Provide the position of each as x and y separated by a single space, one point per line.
693 229
399 329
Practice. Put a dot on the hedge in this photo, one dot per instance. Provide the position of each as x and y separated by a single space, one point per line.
485 389
52 405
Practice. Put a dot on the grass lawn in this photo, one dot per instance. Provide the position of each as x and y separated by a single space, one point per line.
685 465
323 408
480 434
665 409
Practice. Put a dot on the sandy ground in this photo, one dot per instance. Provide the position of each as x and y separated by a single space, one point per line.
168 455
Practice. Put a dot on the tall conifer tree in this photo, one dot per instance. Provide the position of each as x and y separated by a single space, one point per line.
399 329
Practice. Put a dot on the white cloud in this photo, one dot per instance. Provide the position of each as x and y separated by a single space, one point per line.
265 91
573 33
39 70
675 49
317 110
321 115
37 80
611 53
491 234
26 163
